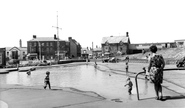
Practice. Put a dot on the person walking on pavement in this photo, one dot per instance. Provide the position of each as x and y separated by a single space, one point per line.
155 68
46 80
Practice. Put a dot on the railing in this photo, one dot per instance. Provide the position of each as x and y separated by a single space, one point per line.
137 84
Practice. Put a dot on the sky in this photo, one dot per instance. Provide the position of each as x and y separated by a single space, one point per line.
89 21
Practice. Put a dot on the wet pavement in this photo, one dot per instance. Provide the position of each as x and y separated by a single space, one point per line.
173 93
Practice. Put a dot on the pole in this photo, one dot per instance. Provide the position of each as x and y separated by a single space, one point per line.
40 50
137 84
57 37
58 43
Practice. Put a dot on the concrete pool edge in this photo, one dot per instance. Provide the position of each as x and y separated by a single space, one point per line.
64 99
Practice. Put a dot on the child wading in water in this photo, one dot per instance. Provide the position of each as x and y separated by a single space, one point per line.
129 84
46 80
126 67
29 72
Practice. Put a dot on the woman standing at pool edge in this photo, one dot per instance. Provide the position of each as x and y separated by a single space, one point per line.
155 69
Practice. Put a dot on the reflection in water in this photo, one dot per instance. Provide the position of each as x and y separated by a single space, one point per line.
84 77
146 87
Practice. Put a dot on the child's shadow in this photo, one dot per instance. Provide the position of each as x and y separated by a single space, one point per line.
172 97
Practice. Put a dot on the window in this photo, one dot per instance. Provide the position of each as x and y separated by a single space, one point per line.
33 49
180 43
121 48
51 49
35 44
42 49
47 49
51 44
47 44
30 44
43 44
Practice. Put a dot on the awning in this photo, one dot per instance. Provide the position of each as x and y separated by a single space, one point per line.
32 54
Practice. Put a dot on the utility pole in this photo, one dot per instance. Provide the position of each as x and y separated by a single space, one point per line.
58 43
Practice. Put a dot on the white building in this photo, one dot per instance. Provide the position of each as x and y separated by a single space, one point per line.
180 43
16 53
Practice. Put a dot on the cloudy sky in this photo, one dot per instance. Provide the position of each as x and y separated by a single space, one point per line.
88 21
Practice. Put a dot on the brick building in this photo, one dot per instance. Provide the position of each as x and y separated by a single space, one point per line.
115 44
74 48
47 48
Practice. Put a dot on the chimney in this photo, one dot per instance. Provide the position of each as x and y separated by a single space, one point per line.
111 36
20 43
55 37
127 34
34 36
69 38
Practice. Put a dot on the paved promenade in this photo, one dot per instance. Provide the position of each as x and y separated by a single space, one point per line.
17 96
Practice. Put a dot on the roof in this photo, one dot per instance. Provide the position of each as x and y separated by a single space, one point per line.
45 39
180 40
115 39
18 48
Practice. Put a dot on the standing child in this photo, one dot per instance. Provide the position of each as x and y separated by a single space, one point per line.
129 84
126 67
29 72
46 80
146 76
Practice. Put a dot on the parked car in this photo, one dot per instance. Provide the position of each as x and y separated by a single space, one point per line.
113 60
105 59
181 62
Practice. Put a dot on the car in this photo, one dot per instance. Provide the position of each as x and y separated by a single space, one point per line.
181 62
113 60
105 59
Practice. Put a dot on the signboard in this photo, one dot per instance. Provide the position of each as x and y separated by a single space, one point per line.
1 58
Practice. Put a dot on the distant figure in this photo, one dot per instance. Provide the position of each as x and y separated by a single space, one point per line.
109 74
126 67
95 60
46 80
143 51
146 76
86 61
29 72
149 57
127 58
129 84
155 69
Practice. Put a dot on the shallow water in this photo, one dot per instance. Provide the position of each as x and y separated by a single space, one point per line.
83 77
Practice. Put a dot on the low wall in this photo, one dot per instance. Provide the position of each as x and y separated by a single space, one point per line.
71 61
167 61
